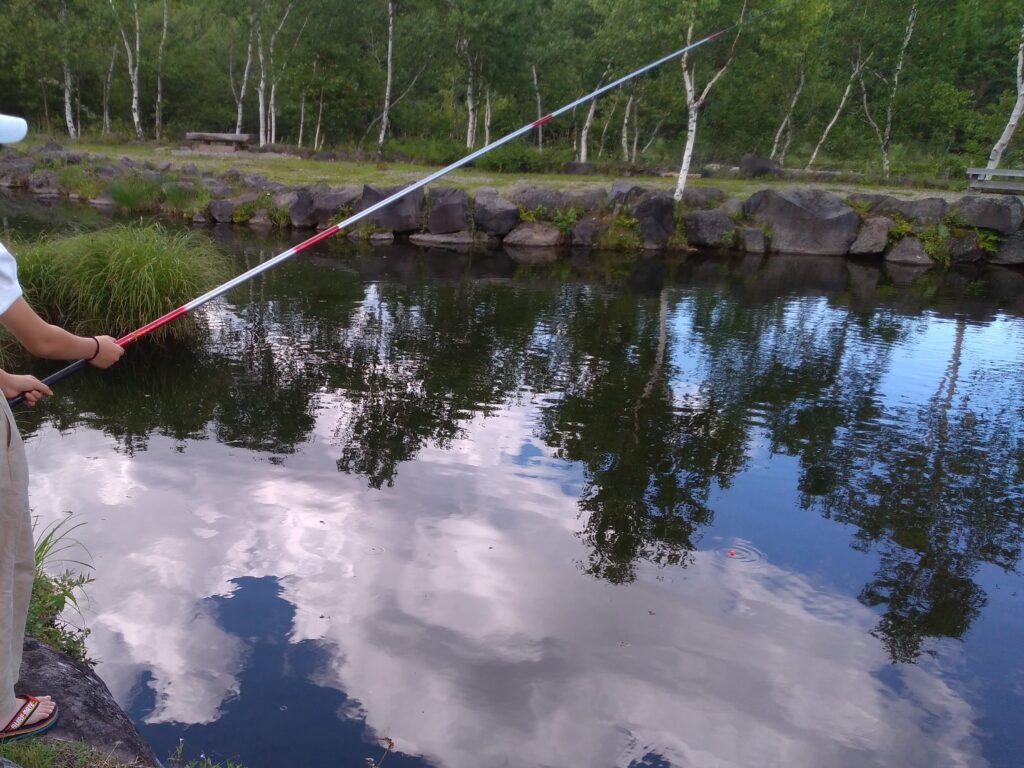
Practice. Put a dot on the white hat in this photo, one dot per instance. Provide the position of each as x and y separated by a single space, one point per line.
12 129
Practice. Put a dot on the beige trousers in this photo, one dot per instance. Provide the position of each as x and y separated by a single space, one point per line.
17 567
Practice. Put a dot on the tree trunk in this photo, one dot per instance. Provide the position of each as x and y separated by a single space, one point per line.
302 117
691 137
1018 108
385 112
858 65
636 129
471 107
133 63
272 113
885 136
585 130
158 128
785 127
487 117
261 87
625 128
239 93
106 89
540 110
317 140
69 118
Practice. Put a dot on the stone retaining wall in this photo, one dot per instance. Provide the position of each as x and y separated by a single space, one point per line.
622 215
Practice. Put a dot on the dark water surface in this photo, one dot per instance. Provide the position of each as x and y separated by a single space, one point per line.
689 512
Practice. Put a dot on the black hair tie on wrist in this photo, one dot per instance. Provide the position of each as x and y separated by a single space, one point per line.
94 354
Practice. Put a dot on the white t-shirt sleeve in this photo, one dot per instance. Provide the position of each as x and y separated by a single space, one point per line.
10 289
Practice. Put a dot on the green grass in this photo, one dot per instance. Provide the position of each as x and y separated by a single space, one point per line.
135 193
117 279
45 753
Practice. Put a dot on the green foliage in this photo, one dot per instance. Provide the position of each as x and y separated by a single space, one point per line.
900 228
136 193
177 760
564 219
623 234
120 278
36 753
935 240
54 593
77 179
988 241
531 214
185 198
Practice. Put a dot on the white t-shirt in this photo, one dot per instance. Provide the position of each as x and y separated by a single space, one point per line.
10 289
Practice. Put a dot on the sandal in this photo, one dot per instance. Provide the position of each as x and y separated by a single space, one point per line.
16 729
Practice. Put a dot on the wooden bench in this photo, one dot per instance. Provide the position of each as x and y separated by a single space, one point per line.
220 142
995 180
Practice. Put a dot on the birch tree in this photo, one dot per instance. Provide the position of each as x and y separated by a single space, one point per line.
158 123
132 55
996 155
69 118
385 113
856 67
107 83
695 103
885 134
239 91
268 76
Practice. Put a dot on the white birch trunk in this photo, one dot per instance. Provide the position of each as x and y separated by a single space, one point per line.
885 136
158 128
385 112
69 117
133 63
317 140
487 117
625 128
302 117
471 107
540 109
608 122
585 130
691 138
239 93
107 83
636 129
272 113
858 65
787 120
261 86
1018 108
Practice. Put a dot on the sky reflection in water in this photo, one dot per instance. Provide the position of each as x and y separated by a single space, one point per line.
523 559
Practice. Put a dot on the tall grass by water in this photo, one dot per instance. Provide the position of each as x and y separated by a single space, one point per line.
117 279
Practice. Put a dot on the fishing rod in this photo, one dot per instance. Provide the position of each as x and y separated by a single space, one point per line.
332 230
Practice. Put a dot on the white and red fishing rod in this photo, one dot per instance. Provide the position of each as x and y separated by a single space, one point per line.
220 290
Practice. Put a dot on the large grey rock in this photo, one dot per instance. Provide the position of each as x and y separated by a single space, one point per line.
925 210
449 210
873 237
587 198
329 206
532 256
15 172
710 229
732 207
804 221
403 215
624 192
702 197
965 248
87 710
223 211
754 165
218 189
655 212
534 234
1011 252
542 200
447 239
586 230
44 184
1002 213
301 214
751 240
909 251
494 214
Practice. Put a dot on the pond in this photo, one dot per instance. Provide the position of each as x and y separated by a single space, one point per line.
606 512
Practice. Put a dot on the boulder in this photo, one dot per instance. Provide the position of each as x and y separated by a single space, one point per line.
44 184
449 210
106 171
754 165
586 230
965 248
711 229
532 256
87 710
702 197
15 171
493 214
1001 213
330 205
403 215
909 251
464 238
925 210
804 221
1011 252
751 240
624 192
534 234
732 207
260 219
540 200
655 212
103 200
218 189
873 238
300 211
587 198
223 211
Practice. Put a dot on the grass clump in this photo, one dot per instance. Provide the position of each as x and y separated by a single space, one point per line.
622 235
75 179
117 279
136 193
39 753
184 198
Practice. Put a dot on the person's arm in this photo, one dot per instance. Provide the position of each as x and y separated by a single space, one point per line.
32 388
49 341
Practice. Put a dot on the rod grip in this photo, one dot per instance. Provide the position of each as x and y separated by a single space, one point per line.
53 378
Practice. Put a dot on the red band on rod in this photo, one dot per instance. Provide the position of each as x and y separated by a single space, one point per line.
543 120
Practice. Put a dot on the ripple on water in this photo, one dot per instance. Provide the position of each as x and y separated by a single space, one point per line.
740 552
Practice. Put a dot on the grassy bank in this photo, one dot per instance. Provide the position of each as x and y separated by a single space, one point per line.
37 753
117 279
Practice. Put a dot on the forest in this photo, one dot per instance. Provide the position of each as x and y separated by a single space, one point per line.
881 87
